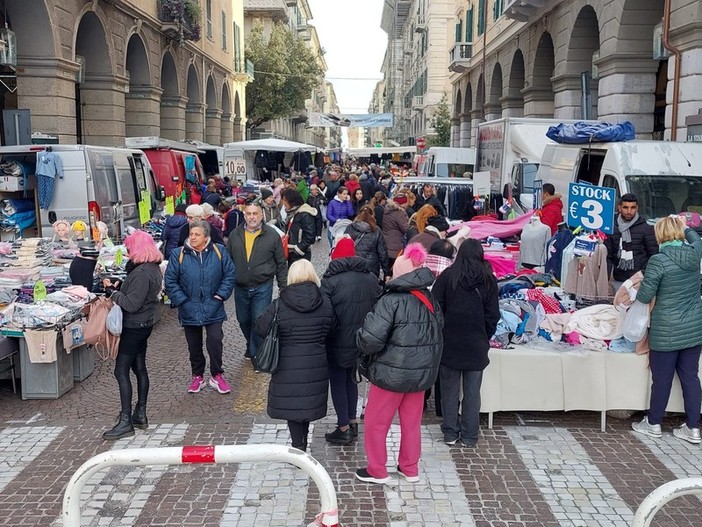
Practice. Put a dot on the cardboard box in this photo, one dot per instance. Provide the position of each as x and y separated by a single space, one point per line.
16 184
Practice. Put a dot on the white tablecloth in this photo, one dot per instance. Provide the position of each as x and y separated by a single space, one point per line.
523 379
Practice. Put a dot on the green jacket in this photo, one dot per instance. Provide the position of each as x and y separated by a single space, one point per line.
673 278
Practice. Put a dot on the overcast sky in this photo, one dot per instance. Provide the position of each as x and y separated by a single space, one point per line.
349 31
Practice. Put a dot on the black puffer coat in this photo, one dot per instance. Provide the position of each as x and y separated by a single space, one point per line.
471 313
298 390
402 337
643 244
353 291
370 246
302 232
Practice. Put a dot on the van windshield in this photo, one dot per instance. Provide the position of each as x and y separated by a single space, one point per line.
453 170
661 195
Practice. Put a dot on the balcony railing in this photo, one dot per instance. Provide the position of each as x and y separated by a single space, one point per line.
417 102
244 67
459 57
420 24
180 19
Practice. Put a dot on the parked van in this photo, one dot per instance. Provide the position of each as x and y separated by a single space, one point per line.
177 166
447 162
665 176
211 157
98 184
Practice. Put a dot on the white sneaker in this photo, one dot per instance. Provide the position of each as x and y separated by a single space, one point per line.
691 435
646 428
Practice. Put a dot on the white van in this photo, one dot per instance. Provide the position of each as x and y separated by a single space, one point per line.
447 162
665 176
98 184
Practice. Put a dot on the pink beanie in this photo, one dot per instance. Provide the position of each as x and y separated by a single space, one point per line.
412 258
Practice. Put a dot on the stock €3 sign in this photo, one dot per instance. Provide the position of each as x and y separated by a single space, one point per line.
591 207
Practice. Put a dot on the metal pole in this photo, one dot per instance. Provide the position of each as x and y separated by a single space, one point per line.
203 454
585 104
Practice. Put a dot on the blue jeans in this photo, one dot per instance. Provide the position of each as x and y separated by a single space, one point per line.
467 426
250 304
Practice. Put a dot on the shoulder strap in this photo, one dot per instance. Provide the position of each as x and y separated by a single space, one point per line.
180 256
217 251
422 297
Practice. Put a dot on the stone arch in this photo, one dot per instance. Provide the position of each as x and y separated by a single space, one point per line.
584 42
493 107
194 119
100 97
227 124
172 103
539 96
37 44
226 99
142 104
465 130
456 119
513 102
457 107
630 91
479 106
213 114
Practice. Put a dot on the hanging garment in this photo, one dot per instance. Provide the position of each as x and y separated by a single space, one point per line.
554 252
481 229
588 276
41 345
48 168
532 249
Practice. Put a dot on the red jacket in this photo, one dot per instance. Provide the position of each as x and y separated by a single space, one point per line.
552 212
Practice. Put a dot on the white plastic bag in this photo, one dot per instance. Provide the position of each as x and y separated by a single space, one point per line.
114 320
636 321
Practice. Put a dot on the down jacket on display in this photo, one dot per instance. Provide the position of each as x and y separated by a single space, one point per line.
193 281
298 389
673 278
401 341
353 291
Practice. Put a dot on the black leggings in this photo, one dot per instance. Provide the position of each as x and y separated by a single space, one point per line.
298 433
132 356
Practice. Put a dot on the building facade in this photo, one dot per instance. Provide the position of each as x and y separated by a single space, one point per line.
572 59
376 136
416 62
297 15
96 72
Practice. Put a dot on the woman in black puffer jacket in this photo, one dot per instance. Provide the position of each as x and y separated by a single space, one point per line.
400 344
353 291
369 242
298 389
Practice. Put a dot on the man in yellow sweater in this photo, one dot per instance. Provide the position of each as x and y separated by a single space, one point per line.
257 252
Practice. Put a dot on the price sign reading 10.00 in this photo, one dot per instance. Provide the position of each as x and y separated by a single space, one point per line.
235 166
591 207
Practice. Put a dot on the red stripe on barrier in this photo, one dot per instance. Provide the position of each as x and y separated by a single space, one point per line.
198 454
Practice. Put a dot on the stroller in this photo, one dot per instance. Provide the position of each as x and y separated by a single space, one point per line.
338 231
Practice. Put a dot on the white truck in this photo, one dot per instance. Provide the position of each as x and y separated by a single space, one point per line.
446 162
510 149
665 176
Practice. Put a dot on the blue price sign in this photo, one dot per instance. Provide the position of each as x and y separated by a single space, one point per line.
538 194
591 207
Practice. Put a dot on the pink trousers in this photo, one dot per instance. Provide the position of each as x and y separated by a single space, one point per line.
380 411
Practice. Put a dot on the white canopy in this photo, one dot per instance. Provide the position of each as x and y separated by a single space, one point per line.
272 145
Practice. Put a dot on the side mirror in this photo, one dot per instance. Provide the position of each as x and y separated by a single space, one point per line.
430 174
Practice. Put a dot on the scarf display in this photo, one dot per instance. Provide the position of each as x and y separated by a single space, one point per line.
626 258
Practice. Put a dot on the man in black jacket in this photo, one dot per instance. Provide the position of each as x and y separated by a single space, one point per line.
258 257
427 197
631 244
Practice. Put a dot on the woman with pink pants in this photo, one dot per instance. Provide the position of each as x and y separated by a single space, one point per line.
400 344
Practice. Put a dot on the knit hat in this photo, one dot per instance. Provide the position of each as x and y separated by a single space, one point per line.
439 223
344 248
412 258
266 193
400 200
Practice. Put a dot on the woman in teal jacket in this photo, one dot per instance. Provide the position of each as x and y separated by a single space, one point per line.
199 278
675 337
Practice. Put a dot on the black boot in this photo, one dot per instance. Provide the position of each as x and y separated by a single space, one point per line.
123 428
338 437
139 419
354 429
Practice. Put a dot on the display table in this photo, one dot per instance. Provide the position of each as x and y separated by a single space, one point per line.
527 379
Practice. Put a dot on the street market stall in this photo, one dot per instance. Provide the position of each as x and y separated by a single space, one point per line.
265 159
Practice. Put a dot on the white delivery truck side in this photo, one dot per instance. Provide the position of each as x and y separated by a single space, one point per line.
442 161
665 176
511 149
98 184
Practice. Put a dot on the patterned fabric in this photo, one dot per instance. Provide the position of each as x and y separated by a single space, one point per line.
551 305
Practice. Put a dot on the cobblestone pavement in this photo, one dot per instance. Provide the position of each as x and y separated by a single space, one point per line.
530 470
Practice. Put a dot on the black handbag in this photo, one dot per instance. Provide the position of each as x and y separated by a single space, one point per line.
268 352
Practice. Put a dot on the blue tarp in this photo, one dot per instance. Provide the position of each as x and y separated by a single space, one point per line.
583 132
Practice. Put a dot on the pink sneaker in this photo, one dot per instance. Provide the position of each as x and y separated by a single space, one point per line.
219 383
197 384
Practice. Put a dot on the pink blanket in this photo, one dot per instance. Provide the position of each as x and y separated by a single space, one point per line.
481 229
502 265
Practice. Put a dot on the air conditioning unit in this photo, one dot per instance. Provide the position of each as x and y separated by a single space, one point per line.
659 51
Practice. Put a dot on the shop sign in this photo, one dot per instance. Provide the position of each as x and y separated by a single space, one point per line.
591 207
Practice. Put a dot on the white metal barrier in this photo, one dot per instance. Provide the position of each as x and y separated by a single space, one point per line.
658 498
329 517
